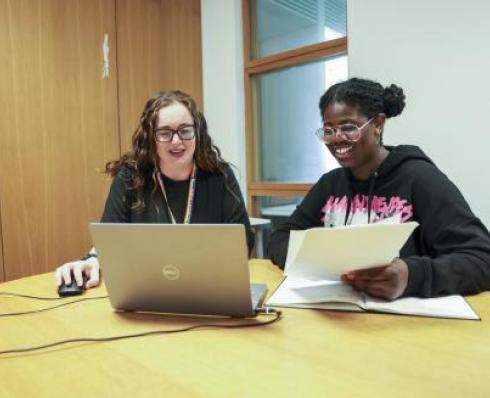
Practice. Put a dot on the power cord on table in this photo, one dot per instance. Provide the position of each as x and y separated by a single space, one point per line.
44 299
265 311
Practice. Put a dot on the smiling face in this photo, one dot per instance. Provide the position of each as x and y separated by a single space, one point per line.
363 156
176 157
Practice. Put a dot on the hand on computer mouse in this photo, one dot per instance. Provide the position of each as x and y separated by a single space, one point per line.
71 289
76 270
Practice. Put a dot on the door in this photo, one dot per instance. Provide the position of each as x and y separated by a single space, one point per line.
58 127
159 48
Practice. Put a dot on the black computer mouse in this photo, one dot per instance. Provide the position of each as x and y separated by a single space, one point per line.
72 289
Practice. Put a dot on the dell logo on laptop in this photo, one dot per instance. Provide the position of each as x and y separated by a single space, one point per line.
170 272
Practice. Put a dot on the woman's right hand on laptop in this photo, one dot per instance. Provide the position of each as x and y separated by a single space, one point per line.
89 267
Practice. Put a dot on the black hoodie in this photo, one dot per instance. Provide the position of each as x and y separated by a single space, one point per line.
449 253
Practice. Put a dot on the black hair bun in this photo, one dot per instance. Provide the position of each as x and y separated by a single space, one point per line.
393 100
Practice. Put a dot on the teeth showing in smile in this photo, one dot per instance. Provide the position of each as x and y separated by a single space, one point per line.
342 150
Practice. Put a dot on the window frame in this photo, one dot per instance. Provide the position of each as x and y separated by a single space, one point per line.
254 67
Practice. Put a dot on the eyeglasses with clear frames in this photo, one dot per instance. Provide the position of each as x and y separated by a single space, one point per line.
349 132
185 133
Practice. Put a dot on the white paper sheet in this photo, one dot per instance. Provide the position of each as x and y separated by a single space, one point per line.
304 291
327 253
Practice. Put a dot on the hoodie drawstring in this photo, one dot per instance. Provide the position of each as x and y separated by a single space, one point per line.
350 195
372 181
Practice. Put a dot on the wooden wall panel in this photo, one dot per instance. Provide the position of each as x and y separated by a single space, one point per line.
58 127
2 271
159 48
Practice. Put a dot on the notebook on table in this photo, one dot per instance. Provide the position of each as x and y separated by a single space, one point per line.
177 268
334 295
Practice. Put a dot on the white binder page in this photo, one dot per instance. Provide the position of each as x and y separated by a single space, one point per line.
304 291
444 307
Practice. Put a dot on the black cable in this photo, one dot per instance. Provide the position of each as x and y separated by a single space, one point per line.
269 311
49 308
30 297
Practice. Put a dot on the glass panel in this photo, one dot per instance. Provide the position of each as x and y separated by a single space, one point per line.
277 209
288 99
282 25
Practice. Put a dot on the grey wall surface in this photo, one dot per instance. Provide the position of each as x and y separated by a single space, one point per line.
439 52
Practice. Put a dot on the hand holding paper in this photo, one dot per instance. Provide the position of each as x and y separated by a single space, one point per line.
388 282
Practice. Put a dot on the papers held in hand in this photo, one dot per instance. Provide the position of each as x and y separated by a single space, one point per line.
317 257
327 253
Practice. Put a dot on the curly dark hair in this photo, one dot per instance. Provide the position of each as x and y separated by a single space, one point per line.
370 97
142 159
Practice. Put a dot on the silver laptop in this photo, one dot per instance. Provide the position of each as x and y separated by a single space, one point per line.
177 268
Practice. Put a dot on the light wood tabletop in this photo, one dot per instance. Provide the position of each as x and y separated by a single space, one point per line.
309 353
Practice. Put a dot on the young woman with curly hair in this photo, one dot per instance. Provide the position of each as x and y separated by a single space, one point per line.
172 174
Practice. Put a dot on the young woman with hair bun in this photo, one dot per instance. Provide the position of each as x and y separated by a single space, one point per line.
448 253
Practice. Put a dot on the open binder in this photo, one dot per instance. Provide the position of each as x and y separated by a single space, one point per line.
317 257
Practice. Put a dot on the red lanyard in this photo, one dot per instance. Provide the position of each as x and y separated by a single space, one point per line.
190 196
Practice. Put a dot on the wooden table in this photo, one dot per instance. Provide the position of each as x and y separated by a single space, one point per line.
307 354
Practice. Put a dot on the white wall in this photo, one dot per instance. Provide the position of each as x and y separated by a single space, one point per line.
222 62
439 52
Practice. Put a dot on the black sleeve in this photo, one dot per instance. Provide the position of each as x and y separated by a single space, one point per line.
457 243
117 208
307 215
234 211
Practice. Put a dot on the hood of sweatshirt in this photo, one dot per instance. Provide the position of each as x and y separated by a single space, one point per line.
398 156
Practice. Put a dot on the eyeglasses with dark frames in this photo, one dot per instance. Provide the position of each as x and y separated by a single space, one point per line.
185 133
